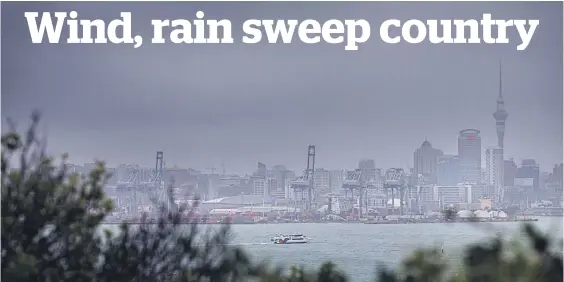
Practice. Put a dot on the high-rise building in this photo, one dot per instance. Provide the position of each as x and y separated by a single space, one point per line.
448 170
272 188
470 155
530 169
261 170
425 160
494 172
260 187
509 172
556 175
277 188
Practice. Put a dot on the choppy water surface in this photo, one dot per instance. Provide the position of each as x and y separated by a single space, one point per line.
358 248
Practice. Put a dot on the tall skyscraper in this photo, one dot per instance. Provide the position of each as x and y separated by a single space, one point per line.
494 172
448 170
470 155
500 114
425 160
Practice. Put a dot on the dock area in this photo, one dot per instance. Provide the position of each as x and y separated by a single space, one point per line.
390 221
449 221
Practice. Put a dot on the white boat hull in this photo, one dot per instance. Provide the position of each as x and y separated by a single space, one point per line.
290 240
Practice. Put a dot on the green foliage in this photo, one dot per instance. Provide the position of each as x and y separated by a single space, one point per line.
51 221
48 233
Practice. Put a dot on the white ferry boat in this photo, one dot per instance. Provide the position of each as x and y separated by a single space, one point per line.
290 239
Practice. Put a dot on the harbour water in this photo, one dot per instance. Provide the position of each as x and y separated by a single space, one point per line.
359 248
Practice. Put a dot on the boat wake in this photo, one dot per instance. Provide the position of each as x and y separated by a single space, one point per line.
262 243
247 244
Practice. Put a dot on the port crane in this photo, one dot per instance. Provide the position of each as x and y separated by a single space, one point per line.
354 187
303 185
395 182
155 191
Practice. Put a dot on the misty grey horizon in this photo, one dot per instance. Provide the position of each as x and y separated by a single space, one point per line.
267 102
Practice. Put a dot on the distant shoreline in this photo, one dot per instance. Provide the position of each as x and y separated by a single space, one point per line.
324 222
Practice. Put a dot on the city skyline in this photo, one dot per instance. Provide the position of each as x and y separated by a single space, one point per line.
265 103
221 170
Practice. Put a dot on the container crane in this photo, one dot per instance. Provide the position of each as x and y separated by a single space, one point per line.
304 185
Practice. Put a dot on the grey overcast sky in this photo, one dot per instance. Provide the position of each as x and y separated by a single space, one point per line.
239 104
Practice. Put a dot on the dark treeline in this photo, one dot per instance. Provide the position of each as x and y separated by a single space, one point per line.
49 233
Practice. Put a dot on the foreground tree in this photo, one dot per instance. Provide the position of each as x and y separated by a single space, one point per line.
496 260
51 222
47 232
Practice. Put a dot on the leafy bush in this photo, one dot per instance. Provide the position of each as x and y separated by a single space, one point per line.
51 221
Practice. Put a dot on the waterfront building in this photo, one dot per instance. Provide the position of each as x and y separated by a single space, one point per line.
260 187
420 199
461 196
450 196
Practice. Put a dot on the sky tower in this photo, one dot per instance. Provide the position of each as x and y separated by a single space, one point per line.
500 114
